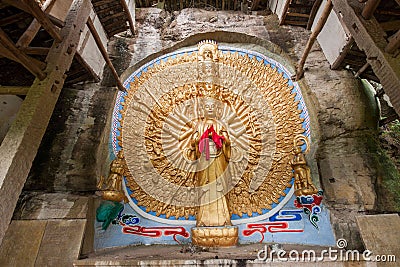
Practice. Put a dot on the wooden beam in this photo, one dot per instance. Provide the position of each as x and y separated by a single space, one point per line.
22 141
392 25
103 51
38 51
389 119
300 15
254 4
21 57
115 31
6 53
369 37
128 15
285 10
38 13
26 38
13 18
321 22
14 90
113 16
24 7
111 7
394 43
354 62
390 12
313 13
369 8
102 2
342 55
361 70
296 22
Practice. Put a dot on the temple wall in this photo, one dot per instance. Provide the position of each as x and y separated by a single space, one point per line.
341 114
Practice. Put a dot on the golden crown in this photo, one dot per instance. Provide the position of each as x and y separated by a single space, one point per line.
208 45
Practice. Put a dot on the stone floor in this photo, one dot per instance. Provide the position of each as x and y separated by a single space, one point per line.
185 252
184 255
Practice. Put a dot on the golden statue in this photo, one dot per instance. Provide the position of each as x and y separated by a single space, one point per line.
210 146
165 151
112 187
303 184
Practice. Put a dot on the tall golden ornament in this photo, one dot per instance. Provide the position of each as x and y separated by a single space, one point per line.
303 184
111 187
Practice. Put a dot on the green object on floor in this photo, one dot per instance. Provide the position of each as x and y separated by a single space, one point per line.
107 212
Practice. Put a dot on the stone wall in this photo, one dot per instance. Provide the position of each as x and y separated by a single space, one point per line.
72 155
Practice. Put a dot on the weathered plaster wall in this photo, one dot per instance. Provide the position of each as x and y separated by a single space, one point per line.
342 114
9 106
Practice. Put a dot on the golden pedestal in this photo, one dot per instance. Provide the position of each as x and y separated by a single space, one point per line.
217 236
114 195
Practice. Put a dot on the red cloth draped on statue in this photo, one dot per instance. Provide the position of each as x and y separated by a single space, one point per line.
205 139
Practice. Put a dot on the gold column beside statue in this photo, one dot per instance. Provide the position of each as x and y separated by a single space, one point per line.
111 188
303 184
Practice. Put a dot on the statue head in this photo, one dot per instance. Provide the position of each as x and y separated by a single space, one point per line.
207 55
210 107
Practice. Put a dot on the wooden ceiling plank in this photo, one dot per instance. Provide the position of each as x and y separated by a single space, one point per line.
313 13
105 11
113 16
128 15
394 43
296 14
391 12
14 90
115 31
296 22
392 25
28 62
23 139
38 51
102 2
13 18
46 23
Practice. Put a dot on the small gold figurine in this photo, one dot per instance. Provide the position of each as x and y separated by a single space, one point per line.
303 184
112 187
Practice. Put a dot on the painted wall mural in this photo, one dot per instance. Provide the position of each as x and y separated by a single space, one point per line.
208 146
